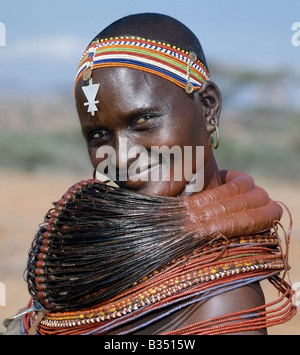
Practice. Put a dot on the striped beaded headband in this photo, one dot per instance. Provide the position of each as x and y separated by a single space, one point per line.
169 62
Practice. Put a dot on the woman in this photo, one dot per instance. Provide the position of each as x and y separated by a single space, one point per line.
144 82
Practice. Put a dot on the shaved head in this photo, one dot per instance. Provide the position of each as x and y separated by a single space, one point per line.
156 27
147 104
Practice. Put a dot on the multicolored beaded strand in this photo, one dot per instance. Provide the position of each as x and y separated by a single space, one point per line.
172 63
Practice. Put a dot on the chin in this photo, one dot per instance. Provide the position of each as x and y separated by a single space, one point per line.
156 188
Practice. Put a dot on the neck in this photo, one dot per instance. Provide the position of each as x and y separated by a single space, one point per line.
211 176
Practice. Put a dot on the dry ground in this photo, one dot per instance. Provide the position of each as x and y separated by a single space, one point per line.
25 198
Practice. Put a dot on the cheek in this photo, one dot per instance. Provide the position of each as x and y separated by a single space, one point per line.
186 134
188 128
94 160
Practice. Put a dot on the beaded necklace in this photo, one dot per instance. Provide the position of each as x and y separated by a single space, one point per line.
71 248
246 260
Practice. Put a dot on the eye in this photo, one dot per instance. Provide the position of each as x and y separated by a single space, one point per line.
100 134
143 119
100 137
146 122
96 135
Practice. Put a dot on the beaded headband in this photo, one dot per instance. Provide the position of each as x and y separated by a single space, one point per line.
172 63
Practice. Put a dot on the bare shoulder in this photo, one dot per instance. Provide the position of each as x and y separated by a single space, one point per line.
240 299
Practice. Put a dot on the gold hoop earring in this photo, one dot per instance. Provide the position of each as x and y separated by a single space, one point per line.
216 143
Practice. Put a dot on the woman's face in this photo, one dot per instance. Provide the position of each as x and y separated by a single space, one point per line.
138 109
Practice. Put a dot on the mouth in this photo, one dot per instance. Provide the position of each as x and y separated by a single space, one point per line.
136 176
141 175
145 173
142 172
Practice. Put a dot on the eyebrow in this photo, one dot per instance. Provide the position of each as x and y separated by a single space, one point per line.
91 123
142 112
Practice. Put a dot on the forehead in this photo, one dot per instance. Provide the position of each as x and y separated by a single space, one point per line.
124 90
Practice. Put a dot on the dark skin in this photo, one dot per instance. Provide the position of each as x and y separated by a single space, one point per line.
134 105
148 111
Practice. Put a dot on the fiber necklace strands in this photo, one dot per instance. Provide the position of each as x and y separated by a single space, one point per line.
70 264
172 63
184 281
107 255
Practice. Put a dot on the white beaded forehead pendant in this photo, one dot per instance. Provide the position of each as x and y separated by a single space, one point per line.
91 90
171 63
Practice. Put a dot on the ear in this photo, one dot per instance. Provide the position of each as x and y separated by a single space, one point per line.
211 100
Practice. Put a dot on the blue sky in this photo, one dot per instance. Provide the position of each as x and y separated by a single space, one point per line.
45 39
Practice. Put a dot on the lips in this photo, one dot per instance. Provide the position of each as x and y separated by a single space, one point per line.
143 170
144 173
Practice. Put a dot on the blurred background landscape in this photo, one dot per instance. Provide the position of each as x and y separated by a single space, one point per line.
251 58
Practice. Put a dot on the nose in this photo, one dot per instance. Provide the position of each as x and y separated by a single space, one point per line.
121 152
118 160
126 153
